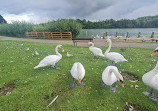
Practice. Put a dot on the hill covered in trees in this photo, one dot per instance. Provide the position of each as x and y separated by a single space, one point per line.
142 22
2 20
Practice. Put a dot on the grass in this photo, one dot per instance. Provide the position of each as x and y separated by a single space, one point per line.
36 88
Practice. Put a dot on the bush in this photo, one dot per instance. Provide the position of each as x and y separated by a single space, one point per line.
61 25
16 28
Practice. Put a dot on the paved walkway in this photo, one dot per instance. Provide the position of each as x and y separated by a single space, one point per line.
97 42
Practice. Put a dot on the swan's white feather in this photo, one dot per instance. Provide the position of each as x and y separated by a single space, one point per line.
151 78
109 79
74 70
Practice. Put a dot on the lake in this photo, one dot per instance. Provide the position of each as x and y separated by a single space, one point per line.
132 32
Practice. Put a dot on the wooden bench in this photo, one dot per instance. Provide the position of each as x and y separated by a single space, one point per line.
75 40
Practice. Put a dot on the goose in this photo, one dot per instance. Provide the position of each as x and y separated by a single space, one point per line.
155 52
96 51
110 76
50 60
114 56
78 73
151 79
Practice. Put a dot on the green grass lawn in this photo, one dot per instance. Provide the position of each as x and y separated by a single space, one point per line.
36 88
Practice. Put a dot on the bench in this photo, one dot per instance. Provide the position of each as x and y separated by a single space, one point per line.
75 40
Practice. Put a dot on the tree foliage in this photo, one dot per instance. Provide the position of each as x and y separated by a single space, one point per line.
142 22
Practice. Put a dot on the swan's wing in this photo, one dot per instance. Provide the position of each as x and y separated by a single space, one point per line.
74 71
50 60
116 56
154 82
96 51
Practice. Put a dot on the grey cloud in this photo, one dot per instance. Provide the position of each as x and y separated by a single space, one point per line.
88 9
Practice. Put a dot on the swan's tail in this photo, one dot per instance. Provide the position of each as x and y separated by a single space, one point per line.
36 67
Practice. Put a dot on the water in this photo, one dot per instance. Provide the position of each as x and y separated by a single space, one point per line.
132 32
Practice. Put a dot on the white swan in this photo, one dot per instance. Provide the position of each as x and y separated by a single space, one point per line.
110 75
151 80
114 56
50 60
78 73
155 52
96 51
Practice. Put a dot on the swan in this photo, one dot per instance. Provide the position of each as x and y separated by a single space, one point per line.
114 56
78 73
151 80
51 60
110 75
155 52
96 51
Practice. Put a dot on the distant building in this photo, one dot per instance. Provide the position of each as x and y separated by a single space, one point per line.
2 20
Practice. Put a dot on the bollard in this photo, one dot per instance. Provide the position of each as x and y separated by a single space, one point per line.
152 35
139 34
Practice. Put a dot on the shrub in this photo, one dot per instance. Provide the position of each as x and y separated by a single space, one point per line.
65 25
16 28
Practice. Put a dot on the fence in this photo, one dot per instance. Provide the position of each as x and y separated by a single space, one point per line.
49 35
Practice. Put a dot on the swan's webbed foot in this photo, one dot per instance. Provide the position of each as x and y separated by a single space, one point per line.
95 57
73 84
113 87
151 95
82 83
103 84
55 67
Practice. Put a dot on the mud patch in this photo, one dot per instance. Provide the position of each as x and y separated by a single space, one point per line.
130 77
7 89
133 107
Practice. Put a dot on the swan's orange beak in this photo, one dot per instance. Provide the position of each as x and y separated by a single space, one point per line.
154 53
79 81
121 82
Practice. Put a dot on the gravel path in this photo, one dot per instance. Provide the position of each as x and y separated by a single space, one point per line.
97 42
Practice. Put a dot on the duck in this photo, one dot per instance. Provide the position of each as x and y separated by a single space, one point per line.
96 51
151 79
155 52
110 76
114 56
77 72
51 60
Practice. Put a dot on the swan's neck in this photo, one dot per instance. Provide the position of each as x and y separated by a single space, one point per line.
92 45
112 70
57 53
107 51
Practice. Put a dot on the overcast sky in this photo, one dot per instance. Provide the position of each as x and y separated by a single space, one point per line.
38 11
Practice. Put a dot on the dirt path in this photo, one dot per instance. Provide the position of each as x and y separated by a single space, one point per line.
97 42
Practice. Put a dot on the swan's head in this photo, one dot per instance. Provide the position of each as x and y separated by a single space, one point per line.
120 78
108 40
155 52
90 43
61 47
